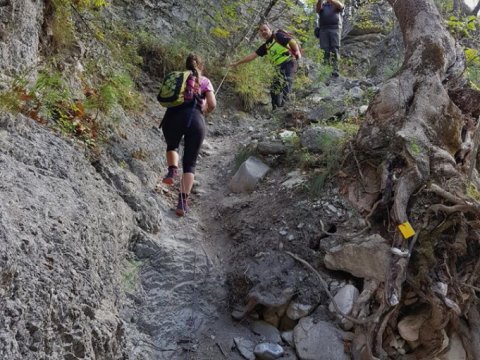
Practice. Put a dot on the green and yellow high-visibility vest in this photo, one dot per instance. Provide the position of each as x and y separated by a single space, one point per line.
277 53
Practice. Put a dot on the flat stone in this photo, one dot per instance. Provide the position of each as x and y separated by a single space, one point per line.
296 311
268 351
315 338
267 331
409 327
245 347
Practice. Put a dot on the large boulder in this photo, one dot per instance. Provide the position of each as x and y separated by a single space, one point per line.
63 237
248 175
314 338
364 257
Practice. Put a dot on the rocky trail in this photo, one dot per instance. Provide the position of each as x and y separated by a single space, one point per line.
181 305
228 258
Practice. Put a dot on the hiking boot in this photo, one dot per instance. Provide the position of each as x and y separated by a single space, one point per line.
170 177
182 205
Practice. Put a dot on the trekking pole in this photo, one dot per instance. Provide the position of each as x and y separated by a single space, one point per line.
221 82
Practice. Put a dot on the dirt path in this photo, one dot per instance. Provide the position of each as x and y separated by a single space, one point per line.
181 309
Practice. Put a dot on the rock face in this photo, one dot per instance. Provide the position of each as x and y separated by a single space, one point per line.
315 338
369 42
20 27
167 18
366 258
63 233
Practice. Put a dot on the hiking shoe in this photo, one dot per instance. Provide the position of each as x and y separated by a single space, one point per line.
170 177
182 205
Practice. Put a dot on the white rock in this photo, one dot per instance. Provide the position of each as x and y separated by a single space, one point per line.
409 326
248 175
345 298
296 311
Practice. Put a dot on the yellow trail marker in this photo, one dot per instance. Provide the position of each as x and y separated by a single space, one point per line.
406 229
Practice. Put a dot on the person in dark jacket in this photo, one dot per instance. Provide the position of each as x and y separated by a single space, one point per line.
330 14
186 121
283 52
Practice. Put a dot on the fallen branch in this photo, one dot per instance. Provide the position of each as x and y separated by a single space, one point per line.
450 209
470 205
358 165
325 287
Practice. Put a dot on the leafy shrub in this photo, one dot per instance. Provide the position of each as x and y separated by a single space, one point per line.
59 17
473 67
117 89
461 27
251 80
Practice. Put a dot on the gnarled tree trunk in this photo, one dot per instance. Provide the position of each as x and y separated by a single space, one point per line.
419 138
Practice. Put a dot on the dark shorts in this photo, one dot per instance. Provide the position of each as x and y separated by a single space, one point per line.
187 123
329 38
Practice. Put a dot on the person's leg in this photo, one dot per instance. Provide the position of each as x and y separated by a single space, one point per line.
187 183
335 49
276 88
173 134
325 45
194 137
172 158
288 70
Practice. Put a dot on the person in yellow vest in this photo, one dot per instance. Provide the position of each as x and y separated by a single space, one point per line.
282 51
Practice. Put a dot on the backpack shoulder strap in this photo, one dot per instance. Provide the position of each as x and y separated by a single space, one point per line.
276 40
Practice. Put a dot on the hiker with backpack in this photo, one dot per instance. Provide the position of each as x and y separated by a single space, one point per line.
329 30
283 52
188 96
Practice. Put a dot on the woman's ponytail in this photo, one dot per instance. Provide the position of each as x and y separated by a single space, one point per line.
195 64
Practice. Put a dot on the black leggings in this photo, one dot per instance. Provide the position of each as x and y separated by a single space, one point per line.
186 122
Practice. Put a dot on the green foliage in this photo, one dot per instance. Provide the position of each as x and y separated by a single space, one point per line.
473 192
220 33
123 44
473 67
349 126
462 27
330 163
10 101
160 58
445 7
13 97
317 182
50 90
414 148
244 153
117 89
60 18
299 156
251 80
49 101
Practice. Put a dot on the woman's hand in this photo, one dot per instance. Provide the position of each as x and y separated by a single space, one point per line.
210 103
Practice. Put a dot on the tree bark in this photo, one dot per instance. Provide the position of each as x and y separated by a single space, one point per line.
476 9
460 8
418 139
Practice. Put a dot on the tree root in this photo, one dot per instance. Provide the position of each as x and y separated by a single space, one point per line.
461 204
364 321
